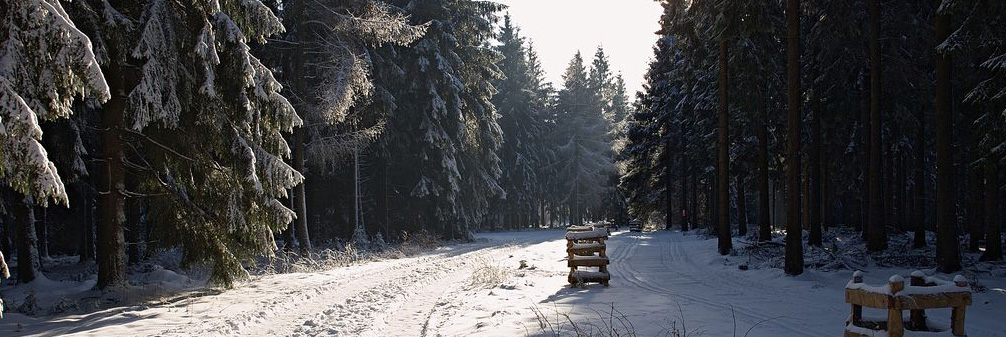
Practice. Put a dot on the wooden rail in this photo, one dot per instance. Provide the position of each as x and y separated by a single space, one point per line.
920 294
585 247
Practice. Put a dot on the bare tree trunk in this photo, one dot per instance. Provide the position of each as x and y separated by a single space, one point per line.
764 210
919 185
110 240
948 257
723 158
27 241
814 195
794 242
41 226
876 236
87 239
742 210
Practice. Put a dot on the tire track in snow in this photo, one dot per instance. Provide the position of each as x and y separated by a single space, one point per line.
631 273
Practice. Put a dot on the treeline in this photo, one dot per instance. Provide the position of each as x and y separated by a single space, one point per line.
806 115
230 130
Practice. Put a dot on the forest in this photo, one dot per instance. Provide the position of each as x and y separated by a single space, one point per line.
231 131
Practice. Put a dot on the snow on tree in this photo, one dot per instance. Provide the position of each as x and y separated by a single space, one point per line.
326 65
522 151
207 120
443 146
583 151
45 64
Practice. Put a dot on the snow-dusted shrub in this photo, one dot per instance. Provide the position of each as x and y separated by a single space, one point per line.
488 273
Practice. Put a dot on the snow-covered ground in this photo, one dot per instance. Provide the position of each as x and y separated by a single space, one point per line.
662 282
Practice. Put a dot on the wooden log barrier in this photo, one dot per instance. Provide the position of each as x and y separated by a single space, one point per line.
920 294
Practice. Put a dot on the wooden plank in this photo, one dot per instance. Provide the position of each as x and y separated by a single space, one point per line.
957 321
866 299
931 301
895 323
587 261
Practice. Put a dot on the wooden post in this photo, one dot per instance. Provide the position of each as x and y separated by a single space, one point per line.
957 316
857 310
895 323
918 317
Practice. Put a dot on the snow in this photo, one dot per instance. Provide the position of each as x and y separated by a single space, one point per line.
505 284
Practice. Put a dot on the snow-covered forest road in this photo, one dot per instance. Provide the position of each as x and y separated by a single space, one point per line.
661 281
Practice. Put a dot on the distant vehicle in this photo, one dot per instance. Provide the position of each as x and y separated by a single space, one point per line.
635 225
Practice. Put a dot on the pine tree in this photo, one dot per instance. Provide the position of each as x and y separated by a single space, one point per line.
330 41
583 151
448 165
45 64
206 120
522 126
794 240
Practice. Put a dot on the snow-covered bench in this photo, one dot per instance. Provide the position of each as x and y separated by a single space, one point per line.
585 247
921 293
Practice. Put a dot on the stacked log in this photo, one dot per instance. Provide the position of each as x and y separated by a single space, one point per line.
585 248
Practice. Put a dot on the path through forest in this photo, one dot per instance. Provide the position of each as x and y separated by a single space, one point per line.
661 282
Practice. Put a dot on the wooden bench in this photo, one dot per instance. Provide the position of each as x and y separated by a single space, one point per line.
922 293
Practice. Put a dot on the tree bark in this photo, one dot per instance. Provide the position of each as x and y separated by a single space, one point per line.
993 236
742 210
668 184
43 235
110 240
794 242
764 207
948 257
725 244
876 236
27 241
300 197
814 195
87 238
919 185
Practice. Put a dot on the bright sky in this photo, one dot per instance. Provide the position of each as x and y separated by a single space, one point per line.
558 28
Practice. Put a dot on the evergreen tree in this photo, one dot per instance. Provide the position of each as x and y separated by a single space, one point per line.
583 150
45 64
522 127
448 166
204 119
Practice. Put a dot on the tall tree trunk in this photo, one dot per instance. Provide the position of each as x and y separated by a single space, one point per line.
299 195
948 257
41 226
87 238
27 241
919 185
133 225
695 201
110 240
794 242
814 195
685 212
668 183
723 158
867 147
876 236
764 207
742 210
993 236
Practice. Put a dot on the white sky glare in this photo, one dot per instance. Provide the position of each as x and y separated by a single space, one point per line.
558 28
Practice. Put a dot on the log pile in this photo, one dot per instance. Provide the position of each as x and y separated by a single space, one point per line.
585 248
